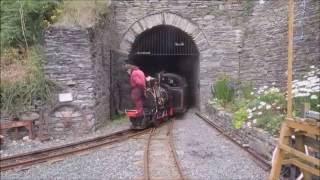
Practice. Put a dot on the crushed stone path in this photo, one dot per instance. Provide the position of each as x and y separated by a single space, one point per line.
206 154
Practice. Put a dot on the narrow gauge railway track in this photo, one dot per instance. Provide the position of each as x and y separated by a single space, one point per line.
260 161
48 154
167 139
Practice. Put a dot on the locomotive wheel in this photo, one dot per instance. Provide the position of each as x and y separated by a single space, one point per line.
156 123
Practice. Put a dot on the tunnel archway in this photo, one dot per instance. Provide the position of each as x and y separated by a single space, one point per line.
168 48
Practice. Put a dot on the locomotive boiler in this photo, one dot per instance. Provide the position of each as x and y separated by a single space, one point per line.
165 97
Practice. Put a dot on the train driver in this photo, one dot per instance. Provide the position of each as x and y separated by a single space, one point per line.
138 86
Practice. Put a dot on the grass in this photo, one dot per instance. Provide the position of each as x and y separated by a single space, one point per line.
83 13
23 84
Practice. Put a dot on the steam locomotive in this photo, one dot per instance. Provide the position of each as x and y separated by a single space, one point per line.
165 97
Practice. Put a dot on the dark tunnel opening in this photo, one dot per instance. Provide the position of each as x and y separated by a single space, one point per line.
169 49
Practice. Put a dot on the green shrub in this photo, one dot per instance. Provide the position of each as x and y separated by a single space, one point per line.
315 102
270 121
239 103
239 118
35 14
246 90
312 100
224 91
271 97
21 95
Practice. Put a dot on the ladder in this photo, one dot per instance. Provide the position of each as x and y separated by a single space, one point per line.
306 132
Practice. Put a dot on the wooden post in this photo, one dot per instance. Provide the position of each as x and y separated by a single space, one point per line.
290 56
300 146
285 134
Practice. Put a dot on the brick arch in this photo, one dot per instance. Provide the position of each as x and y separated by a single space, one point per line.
163 18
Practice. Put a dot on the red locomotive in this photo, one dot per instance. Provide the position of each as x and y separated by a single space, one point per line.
165 96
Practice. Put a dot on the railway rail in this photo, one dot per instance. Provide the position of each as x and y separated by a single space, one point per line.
260 161
167 139
49 154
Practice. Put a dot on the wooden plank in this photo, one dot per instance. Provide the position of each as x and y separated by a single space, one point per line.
303 166
310 129
299 154
299 144
13 124
309 140
280 154
290 56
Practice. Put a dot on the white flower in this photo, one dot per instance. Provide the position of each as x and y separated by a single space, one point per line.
253 109
302 94
262 103
268 106
314 97
259 113
273 90
265 87
278 107
318 105
273 83
312 67
254 121
249 111
249 124
252 93
260 106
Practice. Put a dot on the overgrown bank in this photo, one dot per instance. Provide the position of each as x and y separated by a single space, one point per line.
23 84
265 107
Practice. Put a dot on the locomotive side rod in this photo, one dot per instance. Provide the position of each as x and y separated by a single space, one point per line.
263 163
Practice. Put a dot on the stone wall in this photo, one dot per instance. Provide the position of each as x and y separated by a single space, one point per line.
214 25
103 38
78 61
243 39
264 52
69 65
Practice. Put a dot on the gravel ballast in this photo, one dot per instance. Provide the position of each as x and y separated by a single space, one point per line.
203 153
119 161
206 154
13 147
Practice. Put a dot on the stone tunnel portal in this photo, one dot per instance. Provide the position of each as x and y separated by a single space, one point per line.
167 48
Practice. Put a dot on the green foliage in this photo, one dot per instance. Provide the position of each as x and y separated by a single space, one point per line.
224 91
34 13
239 103
83 13
20 95
270 121
246 90
239 118
299 102
273 97
248 7
314 103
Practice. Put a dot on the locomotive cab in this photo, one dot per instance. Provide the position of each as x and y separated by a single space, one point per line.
176 87
164 97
